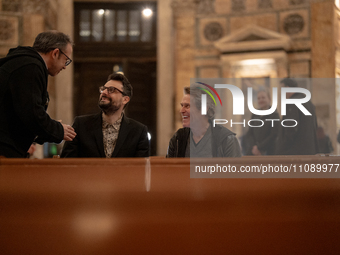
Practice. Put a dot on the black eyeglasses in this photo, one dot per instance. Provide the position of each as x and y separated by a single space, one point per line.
68 61
110 90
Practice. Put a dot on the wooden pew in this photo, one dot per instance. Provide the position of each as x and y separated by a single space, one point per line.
152 206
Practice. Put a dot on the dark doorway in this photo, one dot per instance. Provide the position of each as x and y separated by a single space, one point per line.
143 104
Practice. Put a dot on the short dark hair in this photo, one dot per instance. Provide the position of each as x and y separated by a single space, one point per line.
50 40
196 92
186 90
289 82
127 87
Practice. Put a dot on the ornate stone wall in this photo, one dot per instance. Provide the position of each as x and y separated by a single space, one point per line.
199 24
22 20
228 16
45 8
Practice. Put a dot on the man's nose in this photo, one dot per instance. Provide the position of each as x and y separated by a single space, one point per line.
104 91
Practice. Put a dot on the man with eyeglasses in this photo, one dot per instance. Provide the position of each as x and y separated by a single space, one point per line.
110 133
24 97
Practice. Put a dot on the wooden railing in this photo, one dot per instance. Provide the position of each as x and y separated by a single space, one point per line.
152 206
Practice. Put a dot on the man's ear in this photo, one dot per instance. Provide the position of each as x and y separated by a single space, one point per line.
126 99
55 53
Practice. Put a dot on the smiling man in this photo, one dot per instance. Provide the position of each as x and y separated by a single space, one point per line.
109 133
24 97
198 137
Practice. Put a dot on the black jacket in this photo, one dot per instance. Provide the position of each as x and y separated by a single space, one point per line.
23 103
224 143
132 139
302 139
264 137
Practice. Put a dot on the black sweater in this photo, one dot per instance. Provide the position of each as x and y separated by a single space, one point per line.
23 103
224 143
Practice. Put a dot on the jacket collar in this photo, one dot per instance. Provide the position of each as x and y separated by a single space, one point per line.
98 133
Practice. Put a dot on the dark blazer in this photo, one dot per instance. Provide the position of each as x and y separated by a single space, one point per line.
264 137
132 139
302 139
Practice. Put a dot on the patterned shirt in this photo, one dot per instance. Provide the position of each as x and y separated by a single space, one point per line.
110 136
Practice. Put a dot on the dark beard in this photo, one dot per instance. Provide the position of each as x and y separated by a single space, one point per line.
108 108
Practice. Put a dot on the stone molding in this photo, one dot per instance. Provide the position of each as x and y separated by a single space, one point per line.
279 56
253 38
213 31
27 6
184 6
206 7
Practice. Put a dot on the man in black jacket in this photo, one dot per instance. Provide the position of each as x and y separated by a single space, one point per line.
24 97
109 133
198 137
301 139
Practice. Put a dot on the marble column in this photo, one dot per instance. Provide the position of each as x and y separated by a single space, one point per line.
337 27
323 64
184 15
33 24
64 80
165 76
